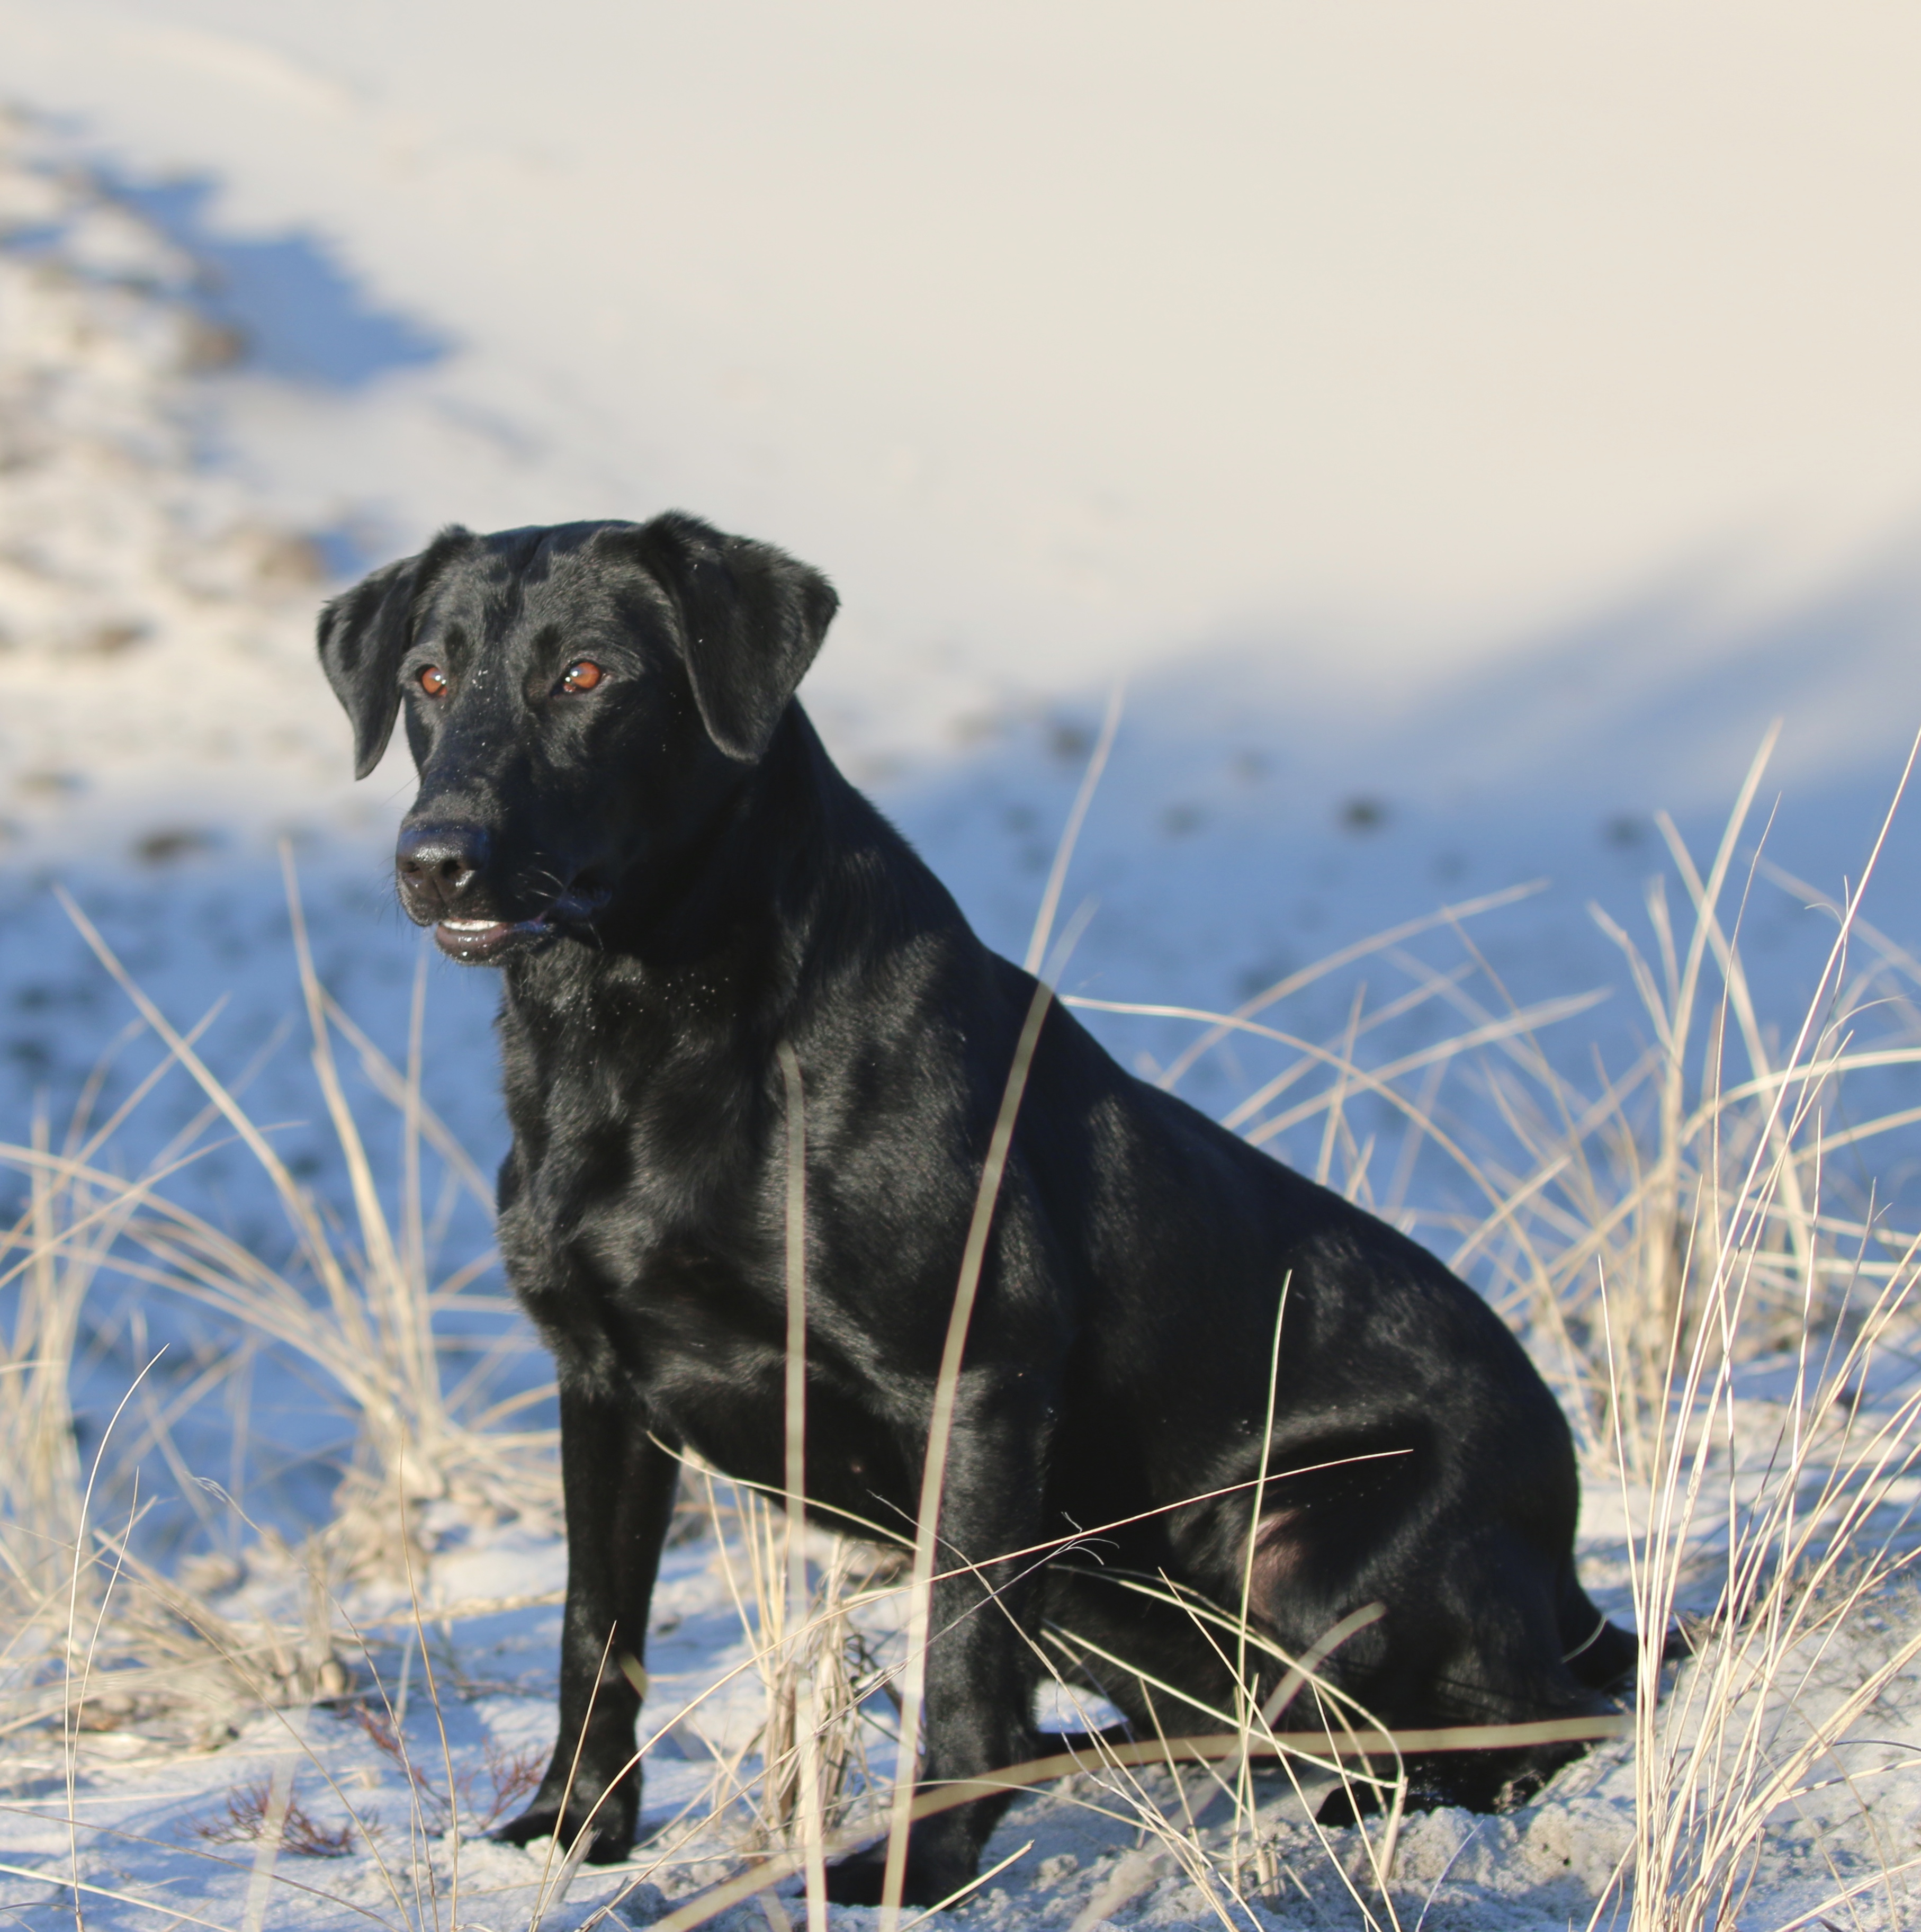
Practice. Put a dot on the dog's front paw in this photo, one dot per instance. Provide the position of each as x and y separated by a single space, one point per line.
858 1880
611 1822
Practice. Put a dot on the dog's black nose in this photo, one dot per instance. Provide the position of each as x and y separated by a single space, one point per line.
438 865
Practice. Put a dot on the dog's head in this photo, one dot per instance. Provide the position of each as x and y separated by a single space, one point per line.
579 700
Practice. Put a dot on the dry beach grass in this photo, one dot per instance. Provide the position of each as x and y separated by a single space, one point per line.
1728 1320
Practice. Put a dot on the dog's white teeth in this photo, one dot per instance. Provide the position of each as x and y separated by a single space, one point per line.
470 925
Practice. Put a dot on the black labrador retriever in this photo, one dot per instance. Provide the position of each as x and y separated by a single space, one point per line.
622 808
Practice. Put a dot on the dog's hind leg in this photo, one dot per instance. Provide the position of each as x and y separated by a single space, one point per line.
1481 1643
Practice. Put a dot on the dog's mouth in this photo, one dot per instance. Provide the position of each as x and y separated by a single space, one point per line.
472 940
476 941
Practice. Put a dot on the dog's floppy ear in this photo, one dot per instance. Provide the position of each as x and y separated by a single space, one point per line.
752 618
364 633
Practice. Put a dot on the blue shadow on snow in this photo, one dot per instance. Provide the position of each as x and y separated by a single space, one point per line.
300 315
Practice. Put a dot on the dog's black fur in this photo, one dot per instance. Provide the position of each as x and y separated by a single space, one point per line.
674 880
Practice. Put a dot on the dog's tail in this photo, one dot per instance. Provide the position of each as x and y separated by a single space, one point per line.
1600 1654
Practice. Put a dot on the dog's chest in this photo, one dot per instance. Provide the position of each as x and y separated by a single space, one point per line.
660 1272
633 1203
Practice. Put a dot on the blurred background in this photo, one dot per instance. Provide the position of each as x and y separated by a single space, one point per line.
1463 432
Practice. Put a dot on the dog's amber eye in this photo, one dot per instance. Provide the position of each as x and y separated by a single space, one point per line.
433 680
582 676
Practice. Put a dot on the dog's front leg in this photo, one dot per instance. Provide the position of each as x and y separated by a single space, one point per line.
982 1665
618 1486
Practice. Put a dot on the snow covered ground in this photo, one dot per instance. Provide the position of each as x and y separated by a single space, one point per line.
1464 438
